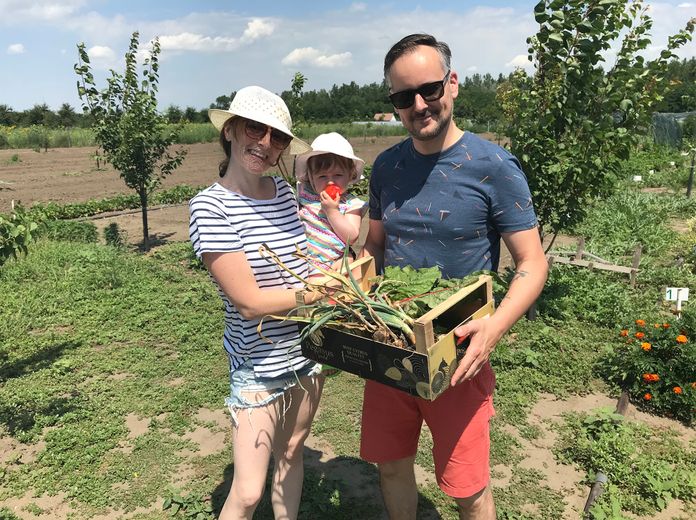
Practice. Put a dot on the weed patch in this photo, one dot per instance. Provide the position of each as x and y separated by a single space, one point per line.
646 468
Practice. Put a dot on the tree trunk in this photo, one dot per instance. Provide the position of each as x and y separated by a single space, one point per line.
143 205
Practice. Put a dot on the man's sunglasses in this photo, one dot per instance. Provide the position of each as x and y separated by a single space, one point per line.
428 91
257 131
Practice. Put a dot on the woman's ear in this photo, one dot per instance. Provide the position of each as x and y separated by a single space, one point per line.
229 128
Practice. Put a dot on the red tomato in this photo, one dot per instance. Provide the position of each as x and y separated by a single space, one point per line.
333 191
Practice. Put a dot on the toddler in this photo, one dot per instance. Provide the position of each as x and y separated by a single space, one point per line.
330 214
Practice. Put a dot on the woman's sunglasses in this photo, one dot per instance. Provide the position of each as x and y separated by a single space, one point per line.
257 131
428 91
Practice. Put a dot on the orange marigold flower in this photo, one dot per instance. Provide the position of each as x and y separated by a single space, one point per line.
645 346
658 326
681 338
665 325
677 390
640 323
640 335
693 385
647 396
623 333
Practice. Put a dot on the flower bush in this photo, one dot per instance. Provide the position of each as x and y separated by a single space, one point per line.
656 364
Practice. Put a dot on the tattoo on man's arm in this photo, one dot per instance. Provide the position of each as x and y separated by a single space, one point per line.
519 274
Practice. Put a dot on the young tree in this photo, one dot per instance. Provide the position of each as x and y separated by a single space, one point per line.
293 99
127 126
573 121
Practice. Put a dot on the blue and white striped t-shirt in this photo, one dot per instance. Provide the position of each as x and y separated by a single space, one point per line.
225 221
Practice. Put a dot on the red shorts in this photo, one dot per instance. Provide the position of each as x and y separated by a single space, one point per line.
458 421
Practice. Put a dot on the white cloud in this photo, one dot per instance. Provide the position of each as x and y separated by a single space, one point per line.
297 56
258 28
197 42
357 7
311 56
188 41
685 5
15 48
334 60
472 68
99 52
519 61
22 11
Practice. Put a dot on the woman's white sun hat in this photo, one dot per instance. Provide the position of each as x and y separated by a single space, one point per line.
328 143
259 104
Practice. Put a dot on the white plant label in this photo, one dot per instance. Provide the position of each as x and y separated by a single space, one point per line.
673 294
637 178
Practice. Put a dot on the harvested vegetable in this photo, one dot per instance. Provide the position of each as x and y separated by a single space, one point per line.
385 312
333 191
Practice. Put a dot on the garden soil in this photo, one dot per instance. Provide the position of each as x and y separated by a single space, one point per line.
66 175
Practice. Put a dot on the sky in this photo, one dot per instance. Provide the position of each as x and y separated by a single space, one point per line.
212 48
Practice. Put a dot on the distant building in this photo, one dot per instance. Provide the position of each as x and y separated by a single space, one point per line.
385 118
380 119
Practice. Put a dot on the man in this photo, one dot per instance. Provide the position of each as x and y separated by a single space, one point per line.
445 197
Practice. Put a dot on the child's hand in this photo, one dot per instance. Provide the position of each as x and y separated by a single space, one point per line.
329 197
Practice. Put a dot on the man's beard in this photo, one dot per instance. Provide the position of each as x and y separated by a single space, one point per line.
428 134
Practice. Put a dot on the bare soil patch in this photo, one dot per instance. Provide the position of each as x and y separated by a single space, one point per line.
71 175
67 175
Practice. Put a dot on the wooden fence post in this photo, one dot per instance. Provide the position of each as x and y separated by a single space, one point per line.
635 264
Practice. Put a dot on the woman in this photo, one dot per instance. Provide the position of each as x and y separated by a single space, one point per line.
274 389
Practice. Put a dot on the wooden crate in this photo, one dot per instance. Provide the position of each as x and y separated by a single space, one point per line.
425 372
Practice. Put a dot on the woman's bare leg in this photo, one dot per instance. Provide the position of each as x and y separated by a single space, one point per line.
252 439
288 449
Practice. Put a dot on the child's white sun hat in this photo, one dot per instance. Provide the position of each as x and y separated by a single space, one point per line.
334 143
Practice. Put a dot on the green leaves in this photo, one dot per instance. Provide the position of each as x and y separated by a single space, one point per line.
408 281
16 233
574 114
189 506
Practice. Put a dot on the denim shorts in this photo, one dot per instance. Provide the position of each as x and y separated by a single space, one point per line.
243 379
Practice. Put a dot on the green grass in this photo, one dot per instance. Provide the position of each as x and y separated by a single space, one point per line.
38 137
90 334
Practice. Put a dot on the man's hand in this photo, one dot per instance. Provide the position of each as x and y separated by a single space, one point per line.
484 336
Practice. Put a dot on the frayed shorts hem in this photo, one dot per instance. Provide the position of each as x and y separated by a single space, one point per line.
243 381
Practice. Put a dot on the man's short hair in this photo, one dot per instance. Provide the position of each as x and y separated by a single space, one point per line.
408 44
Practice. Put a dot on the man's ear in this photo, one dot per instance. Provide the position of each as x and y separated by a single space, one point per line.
454 83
